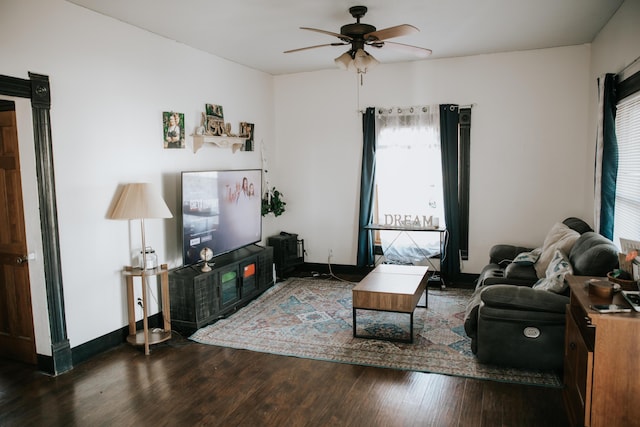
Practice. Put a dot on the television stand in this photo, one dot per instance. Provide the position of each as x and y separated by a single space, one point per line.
200 298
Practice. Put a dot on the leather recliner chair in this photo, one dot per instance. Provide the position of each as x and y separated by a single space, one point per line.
512 324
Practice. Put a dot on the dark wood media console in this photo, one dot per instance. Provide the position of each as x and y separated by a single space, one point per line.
199 298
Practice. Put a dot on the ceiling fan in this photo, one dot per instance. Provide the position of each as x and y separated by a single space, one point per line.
359 35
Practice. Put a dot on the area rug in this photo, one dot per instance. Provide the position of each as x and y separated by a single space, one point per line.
312 318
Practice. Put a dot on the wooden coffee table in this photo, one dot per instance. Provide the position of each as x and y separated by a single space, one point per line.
394 288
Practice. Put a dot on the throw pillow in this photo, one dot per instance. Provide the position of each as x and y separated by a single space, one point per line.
560 237
527 258
558 268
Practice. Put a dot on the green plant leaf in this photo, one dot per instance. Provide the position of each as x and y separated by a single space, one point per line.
272 202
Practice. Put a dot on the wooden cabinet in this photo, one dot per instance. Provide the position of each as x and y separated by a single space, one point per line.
602 361
200 298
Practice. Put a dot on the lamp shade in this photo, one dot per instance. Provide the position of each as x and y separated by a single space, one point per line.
363 61
140 200
360 60
344 60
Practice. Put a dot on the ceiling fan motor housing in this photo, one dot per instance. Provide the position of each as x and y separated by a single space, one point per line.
356 32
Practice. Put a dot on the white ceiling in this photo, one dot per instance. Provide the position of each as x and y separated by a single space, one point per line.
255 33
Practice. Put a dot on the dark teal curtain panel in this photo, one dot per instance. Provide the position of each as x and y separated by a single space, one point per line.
449 119
609 157
367 183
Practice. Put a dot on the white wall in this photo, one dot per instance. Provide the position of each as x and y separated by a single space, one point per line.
528 144
110 83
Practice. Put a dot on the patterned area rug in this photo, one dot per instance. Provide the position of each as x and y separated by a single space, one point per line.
312 318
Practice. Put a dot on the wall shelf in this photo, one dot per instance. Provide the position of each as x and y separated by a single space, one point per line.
234 142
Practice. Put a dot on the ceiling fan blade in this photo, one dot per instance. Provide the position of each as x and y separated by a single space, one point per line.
330 33
391 32
420 52
313 47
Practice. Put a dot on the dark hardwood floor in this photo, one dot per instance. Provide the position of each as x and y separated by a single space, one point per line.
183 383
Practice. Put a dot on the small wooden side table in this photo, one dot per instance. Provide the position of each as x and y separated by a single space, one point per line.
144 337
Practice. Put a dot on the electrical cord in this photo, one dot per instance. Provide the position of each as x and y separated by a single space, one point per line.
333 275
149 292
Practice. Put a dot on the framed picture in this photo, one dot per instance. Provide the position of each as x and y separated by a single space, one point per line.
173 129
214 120
246 131
215 112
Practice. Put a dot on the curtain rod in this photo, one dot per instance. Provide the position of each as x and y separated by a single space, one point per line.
459 106
634 62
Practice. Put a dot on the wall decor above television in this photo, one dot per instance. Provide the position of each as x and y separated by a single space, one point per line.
173 129
215 130
221 210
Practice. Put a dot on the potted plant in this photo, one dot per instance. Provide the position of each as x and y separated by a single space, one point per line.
272 202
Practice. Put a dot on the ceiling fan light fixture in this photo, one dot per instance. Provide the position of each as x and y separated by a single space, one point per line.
363 61
343 61
372 61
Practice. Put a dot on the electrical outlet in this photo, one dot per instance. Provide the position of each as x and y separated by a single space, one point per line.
330 253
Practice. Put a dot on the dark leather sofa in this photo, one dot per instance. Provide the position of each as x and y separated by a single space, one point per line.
512 324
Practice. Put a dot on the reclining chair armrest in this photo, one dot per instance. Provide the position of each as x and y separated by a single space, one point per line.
520 274
524 299
593 255
493 274
510 281
504 254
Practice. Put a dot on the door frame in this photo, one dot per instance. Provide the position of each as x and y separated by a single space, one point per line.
37 89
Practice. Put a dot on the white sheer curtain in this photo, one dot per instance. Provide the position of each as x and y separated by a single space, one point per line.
409 180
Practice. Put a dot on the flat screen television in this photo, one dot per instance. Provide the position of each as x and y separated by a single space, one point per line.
221 210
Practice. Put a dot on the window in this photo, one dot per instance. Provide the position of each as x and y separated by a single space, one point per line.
627 199
402 187
408 182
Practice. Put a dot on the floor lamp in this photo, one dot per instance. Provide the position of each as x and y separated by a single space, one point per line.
140 201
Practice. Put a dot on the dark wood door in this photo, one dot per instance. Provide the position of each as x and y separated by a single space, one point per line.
16 317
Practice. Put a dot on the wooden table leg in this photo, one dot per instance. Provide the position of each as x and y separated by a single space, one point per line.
131 306
166 307
354 321
145 321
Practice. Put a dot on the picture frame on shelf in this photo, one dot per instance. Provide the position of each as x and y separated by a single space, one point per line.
215 112
214 120
247 132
